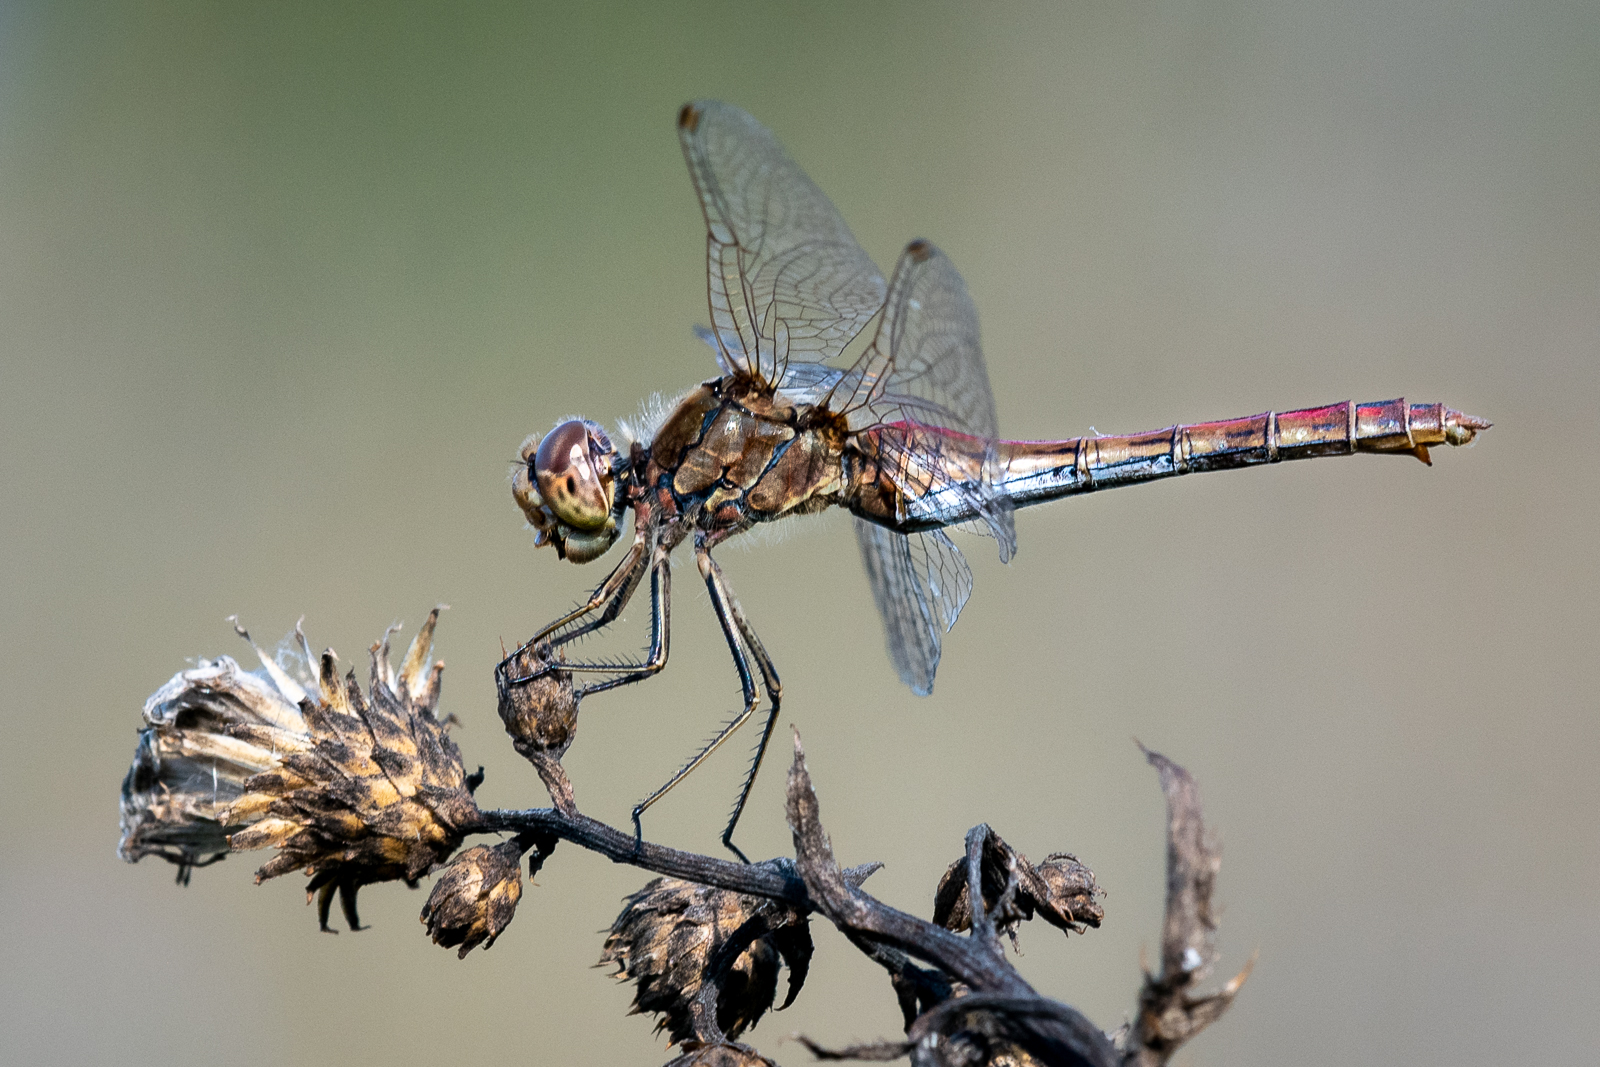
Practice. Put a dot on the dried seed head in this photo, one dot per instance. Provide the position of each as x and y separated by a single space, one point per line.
980 1037
378 791
475 897
1060 890
969 1032
684 943
1073 894
720 1054
538 705
192 762
1006 1055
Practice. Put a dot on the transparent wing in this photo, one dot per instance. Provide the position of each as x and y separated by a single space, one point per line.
920 583
786 280
925 364
924 373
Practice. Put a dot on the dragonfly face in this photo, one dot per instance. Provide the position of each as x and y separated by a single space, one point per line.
566 486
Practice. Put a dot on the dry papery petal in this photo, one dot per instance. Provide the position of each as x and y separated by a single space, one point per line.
192 759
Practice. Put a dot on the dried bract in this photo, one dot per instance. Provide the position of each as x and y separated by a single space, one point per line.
1059 890
689 946
1170 1014
475 897
191 764
377 792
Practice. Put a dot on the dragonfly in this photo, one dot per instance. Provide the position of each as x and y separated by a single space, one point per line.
902 434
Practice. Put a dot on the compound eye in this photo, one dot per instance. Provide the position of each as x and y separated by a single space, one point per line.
570 478
526 492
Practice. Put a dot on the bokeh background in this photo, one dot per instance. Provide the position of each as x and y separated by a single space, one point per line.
282 287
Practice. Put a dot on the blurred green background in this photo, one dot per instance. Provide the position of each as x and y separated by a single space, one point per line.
282 287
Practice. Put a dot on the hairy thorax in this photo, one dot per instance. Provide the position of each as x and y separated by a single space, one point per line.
734 453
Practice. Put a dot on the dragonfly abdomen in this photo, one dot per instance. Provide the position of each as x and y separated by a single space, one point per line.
1036 471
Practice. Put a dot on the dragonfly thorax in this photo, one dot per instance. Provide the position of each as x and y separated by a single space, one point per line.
733 454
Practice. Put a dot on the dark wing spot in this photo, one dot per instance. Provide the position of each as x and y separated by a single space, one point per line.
572 485
689 118
919 250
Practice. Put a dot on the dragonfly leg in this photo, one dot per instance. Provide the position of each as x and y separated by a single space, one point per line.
774 688
731 619
624 672
608 600
660 635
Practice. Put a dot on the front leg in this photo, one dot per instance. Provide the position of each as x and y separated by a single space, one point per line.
660 634
605 605
613 594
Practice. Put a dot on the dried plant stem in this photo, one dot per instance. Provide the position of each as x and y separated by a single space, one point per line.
1051 1031
773 880
359 787
971 987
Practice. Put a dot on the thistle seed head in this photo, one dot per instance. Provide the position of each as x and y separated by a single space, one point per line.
475 897
375 792
538 705
1073 895
207 732
1060 890
689 947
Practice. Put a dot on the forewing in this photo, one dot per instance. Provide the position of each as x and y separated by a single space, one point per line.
925 367
786 280
920 583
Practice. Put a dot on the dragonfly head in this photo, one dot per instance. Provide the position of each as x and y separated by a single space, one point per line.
566 486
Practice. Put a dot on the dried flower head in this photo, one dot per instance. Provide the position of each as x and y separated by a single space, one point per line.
376 790
539 707
962 1030
720 1054
689 947
978 1037
1073 895
475 897
190 765
1060 890
537 704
